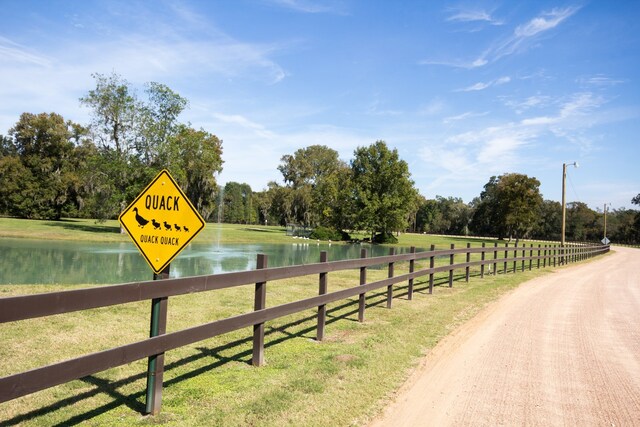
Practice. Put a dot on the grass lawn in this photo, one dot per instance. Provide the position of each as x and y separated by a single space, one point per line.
347 379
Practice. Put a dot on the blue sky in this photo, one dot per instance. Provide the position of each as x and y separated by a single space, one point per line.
464 90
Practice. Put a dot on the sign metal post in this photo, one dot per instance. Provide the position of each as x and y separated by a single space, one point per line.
161 221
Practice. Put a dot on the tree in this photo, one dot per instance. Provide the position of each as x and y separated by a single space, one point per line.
159 123
115 114
196 156
622 226
549 224
313 175
520 200
442 215
137 138
383 190
485 220
38 168
582 223
509 206
238 204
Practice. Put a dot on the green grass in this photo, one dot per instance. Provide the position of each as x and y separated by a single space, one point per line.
109 231
345 380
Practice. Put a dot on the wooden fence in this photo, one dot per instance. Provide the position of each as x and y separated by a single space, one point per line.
498 259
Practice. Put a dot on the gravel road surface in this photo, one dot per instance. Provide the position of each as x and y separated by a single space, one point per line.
560 350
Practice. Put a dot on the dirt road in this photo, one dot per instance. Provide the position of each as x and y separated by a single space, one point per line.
561 350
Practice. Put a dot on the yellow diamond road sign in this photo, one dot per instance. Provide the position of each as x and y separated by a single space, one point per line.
161 221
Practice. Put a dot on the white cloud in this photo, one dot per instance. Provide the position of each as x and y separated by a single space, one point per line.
484 85
519 41
241 121
544 22
11 52
473 15
599 80
535 101
312 6
463 116
471 156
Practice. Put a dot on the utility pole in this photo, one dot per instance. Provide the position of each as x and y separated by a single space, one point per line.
605 221
564 206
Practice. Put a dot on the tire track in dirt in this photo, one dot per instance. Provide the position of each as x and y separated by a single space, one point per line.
563 349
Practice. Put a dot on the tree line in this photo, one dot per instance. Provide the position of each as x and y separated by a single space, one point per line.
52 168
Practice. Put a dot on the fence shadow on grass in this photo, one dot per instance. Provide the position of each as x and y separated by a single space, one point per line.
375 298
134 400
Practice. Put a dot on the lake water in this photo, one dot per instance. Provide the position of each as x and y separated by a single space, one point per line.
26 261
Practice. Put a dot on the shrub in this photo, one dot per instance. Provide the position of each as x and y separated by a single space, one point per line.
386 237
324 233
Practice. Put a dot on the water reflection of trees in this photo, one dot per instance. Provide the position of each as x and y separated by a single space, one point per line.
63 263
32 262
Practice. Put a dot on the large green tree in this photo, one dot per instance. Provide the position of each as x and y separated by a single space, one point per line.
136 138
549 224
582 223
314 176
195 158
39 167
237 204
509 206
383 190
443 215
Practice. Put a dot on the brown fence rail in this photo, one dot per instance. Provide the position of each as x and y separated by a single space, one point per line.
30 306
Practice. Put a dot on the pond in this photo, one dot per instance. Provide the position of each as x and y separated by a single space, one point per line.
27 261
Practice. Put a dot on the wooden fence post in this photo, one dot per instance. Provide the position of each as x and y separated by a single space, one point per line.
524 254
544 258
155 363
260 302
451 261
363 280
322 289
495 257
392 251
506 256
515 256
468 260
531 257
482 258
412 263
432 263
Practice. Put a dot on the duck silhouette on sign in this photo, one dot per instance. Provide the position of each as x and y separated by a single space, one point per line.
177 227
139 219
167 226
156 224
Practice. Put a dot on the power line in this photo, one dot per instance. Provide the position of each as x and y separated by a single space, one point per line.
574 189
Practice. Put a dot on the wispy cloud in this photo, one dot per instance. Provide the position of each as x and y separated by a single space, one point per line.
599 80
177 52
571 112
243 122
530 102
472 15
312 6
546 21
522 36
11 52
518 41
463 116
470 157
484 85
